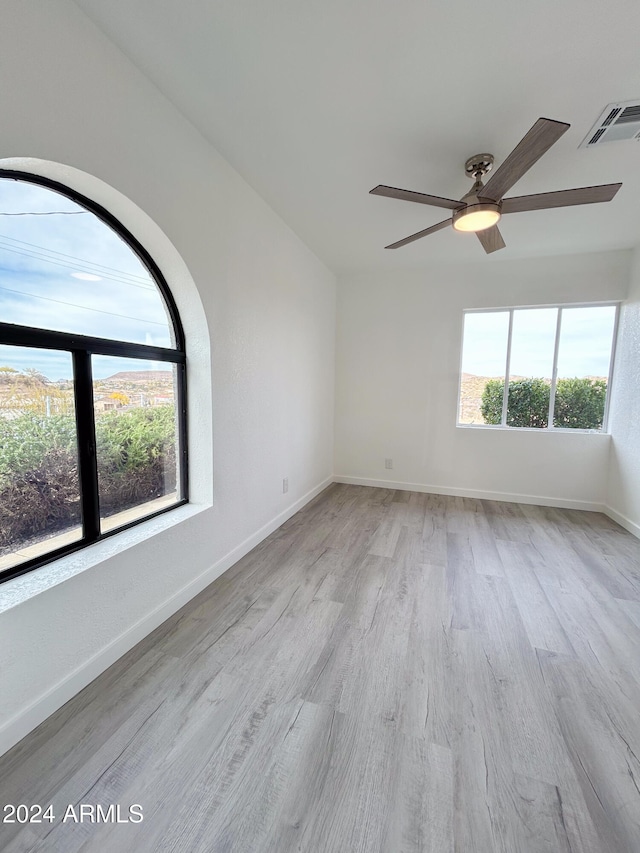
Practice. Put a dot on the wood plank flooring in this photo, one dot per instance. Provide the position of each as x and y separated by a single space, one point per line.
389 671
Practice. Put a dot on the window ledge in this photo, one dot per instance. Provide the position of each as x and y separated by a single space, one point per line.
20 589
545 430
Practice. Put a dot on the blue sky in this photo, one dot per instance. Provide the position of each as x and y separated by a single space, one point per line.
62 268
585 342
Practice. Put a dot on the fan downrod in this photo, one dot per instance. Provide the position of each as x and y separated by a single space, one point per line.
478 166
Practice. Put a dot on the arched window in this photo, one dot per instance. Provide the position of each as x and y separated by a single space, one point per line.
92 377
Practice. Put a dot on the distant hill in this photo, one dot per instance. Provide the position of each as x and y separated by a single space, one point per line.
471 388
141 376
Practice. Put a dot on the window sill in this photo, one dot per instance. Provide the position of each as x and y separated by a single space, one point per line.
546 430
20 589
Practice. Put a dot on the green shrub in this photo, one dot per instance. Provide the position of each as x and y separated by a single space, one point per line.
39 490
528 403
579 403
136 456
44 499
491 406
527 406
25 442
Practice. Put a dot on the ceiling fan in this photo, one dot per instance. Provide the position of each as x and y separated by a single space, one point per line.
482 207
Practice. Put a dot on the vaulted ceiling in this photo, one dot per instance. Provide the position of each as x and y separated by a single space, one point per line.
314 103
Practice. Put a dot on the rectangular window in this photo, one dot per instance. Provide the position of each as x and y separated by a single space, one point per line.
537 368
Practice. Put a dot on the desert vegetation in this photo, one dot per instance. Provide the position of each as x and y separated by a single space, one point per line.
579 403
39 482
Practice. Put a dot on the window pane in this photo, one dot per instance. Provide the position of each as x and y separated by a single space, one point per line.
64 269
135 404
484 359
532 346
584 357
39 485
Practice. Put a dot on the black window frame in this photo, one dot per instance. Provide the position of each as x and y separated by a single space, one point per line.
82 348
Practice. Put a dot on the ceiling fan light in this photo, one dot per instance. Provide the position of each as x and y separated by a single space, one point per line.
476 217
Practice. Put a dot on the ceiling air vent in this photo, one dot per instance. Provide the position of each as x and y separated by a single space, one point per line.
617 123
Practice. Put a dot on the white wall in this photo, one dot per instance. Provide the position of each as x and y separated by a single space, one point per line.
397 364
624 471
264 390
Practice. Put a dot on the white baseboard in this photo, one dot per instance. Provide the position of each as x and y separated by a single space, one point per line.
21 724
622 520
509 497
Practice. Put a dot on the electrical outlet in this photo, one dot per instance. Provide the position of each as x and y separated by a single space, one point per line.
285 485
388 463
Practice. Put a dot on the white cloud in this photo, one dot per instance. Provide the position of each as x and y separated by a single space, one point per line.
42 258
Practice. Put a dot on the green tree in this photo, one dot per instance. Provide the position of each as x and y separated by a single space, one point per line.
527 405
579 403
491 406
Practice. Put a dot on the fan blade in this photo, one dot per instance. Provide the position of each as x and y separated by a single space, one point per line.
421 198
527 152
561 198
420 234
491 239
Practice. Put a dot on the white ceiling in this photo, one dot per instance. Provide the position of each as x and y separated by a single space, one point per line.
314 103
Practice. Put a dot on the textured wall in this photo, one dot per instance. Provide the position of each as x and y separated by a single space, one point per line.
398 362
259 312
624 473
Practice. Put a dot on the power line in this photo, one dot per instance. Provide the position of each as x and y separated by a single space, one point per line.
83 307
38 257
47 213
73 257
43 253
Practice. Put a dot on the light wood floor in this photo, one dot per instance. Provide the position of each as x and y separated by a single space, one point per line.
388 671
